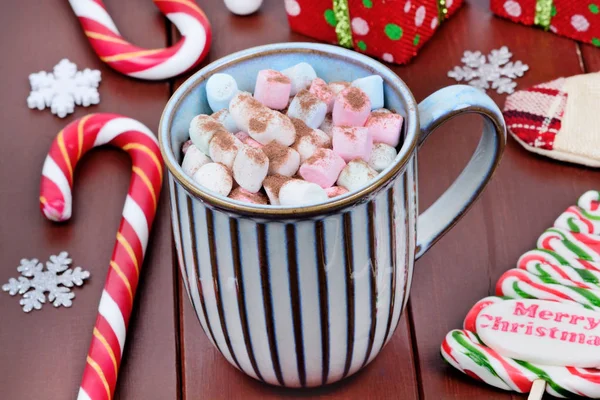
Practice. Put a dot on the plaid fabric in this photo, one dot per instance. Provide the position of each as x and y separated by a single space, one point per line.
534 115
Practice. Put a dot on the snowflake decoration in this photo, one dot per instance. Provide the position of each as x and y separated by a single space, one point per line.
34 282
496 70
62 89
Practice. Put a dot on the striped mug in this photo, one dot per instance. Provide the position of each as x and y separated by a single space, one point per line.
302 297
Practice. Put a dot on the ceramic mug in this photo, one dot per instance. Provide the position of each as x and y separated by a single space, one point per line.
302 297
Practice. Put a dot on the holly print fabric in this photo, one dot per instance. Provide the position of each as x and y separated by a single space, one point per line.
391 30
576 19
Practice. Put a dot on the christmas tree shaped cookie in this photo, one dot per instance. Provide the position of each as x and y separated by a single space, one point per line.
542 329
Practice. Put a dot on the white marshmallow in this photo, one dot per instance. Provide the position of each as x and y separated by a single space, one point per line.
268 126
301 76
193 160
215 177
356 175
297 192
309 108
250 168
225 118
327 125
220 89
282 160
373 88
382 110
224 147
242 107
202 129
272 185
307 144
382 155
339 86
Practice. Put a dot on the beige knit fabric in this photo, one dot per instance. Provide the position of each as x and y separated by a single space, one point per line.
579 136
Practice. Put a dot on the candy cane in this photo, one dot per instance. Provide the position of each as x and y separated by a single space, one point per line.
465 352
576 219
571 244
590 202
141 63
106 349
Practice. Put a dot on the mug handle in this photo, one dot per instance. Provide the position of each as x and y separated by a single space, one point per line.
436 109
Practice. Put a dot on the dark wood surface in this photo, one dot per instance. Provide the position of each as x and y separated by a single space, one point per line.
167 356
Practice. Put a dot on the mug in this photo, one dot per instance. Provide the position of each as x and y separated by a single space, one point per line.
306 296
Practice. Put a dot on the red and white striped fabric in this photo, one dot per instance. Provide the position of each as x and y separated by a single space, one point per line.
558 119
151 64
106 349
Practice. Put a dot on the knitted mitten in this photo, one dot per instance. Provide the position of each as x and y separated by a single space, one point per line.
559 119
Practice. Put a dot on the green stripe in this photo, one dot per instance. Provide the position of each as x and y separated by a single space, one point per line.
521 293
588 215
595 300
478 357
577 250
556 256
543 13
342 29
543 375
572 225
587 276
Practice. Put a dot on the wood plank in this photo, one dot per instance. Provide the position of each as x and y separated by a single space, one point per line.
590 56
43 354
205 372
525 196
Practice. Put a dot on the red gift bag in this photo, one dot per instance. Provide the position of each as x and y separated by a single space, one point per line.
392 30
576 19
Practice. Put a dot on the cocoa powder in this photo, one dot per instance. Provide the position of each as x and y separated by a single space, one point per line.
355 97
224 140
278 77
256 155
307 99
276 153
301 128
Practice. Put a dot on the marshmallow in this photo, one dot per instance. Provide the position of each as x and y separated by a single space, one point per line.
202 129
335 191
272 89
352 142
241 194
301 76
309 108
351 108
250 168
297 192
373 87
225 118
382 156
381 110
224 147
282 160
267 126
338 87
323 168
385 127
308 140
215 177
272 185
243 7
193 160
242 107
356 175
327 125
247 140
321 89
185 146
220 89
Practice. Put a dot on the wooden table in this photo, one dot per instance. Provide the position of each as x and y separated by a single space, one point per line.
167 356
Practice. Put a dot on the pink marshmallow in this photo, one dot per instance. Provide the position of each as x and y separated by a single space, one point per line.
247 140
385 127
186 145
272 89
322 90
241 194
351 108
323 168
335 191
351 143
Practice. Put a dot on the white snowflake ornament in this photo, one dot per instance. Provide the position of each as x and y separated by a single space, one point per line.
35 282
64 88
495 70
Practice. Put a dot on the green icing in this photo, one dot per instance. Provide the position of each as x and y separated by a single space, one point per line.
594 8
393 31
368 3
362 45
330 17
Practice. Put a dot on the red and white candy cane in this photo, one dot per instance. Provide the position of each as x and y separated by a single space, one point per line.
151 64
106 349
